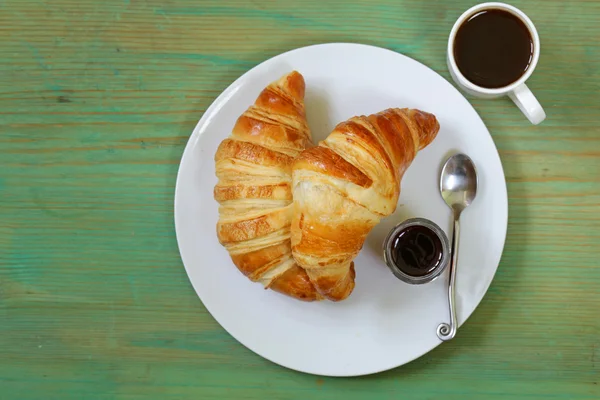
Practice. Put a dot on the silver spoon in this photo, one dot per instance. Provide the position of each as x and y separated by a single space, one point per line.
458 185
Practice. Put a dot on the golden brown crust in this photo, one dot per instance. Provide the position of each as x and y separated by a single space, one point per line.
401 142
323 160
283 101
295 283
248 228
333 244
359 131
279 191
254 263
428 127
344 186
332 286
277 120
252 128
252 153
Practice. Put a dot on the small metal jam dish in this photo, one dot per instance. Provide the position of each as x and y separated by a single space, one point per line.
417 251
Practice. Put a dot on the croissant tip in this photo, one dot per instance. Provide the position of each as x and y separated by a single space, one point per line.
293 82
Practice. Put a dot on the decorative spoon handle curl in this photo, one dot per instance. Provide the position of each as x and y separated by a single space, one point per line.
447 331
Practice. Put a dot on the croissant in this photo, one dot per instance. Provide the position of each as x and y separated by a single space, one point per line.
345 185
253 167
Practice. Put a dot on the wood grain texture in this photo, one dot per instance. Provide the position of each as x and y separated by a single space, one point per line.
97 100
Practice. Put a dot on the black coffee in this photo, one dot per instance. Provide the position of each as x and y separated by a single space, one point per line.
493 48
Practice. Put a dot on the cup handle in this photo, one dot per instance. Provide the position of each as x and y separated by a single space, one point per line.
528 104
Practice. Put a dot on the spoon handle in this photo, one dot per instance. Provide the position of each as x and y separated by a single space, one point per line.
447 331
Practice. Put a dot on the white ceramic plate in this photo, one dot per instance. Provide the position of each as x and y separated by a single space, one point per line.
384 323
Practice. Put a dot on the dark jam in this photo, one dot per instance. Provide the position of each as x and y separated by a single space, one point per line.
417 251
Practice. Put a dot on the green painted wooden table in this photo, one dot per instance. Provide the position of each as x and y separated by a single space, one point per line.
97 100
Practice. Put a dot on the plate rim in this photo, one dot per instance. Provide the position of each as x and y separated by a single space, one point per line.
225 96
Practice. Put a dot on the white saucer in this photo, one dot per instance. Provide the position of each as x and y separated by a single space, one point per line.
384 323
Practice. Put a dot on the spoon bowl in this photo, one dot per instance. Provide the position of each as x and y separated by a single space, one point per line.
458 182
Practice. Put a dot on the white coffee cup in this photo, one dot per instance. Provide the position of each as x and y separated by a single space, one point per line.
517 91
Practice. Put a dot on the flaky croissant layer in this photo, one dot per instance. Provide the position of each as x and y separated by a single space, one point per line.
253 166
